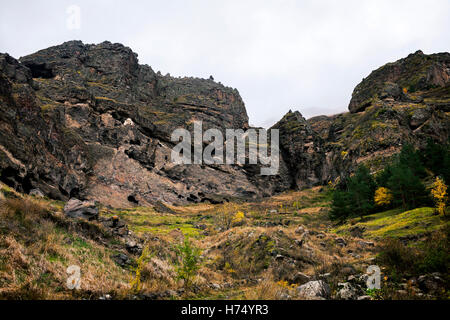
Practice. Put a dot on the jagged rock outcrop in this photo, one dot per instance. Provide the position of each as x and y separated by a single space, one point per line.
89 121
407 101
403 80
302 149
75 208
375 135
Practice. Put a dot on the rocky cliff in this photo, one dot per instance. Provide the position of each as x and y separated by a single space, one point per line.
403 80
407 101
89 121
302 149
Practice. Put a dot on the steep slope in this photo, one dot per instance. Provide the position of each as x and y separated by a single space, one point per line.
302 149
407 101
88 121
403 80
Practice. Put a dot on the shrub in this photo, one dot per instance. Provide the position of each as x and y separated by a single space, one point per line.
135 283
238 218
431 256
397 257
226 215
189 257
439 193
26 211
383 196
435 257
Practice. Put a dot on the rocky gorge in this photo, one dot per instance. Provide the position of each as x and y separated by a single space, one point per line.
86 180
89 122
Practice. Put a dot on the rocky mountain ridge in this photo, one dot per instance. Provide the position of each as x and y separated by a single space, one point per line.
407 101
88 121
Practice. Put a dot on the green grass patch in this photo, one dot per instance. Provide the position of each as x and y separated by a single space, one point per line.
146 220
395 223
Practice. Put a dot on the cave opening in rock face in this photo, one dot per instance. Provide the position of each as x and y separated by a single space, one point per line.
132 199
40 70
74 193
11 177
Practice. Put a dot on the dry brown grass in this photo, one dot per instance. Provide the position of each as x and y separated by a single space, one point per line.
270 289
38 243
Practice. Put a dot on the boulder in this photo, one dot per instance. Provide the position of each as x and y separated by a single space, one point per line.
348 291
37 193
133 247
284 296
341 242
325 275
430 283
121 259
215 286
318 289
75 208
393 91
419 117
355 255
300 278
300 230
357 231
162 208
365 244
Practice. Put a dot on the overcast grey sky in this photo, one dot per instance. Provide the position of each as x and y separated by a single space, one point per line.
304 55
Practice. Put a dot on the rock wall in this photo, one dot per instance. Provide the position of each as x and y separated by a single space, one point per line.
89 121
402 80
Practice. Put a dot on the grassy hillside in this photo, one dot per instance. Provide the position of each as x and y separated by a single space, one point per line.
255 255
396 223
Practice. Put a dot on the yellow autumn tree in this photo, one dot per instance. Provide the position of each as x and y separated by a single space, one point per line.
238 218
136 282
439 193
383 196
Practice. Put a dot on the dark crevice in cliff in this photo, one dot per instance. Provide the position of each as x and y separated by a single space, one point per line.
40 70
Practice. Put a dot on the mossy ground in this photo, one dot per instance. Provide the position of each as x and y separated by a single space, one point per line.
397 223
145 220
